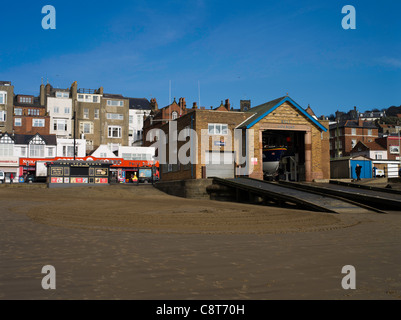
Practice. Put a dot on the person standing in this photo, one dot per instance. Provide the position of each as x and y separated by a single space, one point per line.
358 169
11 178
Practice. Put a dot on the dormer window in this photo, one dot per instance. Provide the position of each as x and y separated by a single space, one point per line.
37 147
27 100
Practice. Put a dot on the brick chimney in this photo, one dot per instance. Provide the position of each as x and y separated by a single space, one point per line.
194 106
182 103
153 104
42 95
74 90
48 89
227 104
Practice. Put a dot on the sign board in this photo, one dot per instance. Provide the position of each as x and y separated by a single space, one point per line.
9 162
220 143
145 173
116 162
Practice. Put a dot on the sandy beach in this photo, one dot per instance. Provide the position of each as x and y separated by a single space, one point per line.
135 242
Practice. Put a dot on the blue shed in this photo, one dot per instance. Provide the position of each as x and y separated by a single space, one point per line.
344 168
366 170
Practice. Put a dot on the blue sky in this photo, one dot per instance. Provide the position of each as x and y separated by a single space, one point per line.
257 50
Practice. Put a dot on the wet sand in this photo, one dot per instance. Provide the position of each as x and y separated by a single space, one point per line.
130 242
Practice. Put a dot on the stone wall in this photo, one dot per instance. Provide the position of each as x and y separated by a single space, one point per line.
191 188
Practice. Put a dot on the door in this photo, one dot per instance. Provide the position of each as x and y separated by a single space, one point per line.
219 164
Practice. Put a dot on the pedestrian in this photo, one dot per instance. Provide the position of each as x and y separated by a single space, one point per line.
11 178
358 172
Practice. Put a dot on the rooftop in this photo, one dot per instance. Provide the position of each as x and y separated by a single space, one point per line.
139 103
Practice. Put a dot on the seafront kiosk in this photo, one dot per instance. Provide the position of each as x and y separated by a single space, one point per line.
77 173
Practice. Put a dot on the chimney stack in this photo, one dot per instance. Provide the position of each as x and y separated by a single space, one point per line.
194 106
182 103
153 104
227 104
42 95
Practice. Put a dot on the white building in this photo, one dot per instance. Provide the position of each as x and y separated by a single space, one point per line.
65 148
136 153
138 108
59 108
372 150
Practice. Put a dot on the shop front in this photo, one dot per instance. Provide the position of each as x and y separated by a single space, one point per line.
10 167
136 171
65 173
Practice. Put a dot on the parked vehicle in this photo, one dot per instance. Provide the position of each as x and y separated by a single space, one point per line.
2 177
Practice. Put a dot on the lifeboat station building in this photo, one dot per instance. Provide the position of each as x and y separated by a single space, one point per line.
231 143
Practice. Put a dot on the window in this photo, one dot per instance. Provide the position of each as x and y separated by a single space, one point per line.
174 115
25 99
378 156
86 127
3 97
62 95
38 123
114 132
37 147
88 98
115 103
36 151
17 122
6 146
217 129
6 150
23 151
103 155
353 131
3 116
60 125
115 116
18 111
50 152
86 113
67 110
131 119
370 132
96 113
353 143
68 151
56 110
33 112
137 156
